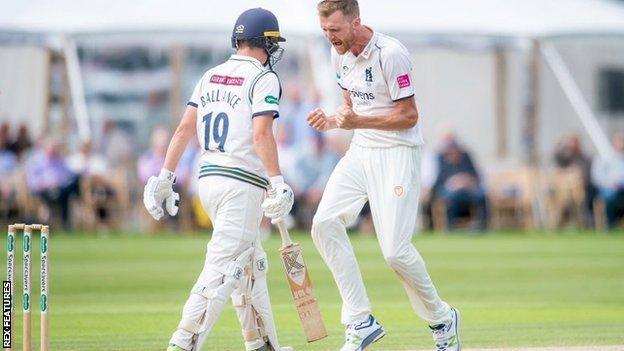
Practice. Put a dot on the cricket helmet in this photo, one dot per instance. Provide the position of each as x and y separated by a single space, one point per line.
259 28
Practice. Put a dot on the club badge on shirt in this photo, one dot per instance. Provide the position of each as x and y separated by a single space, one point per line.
404 80
398 190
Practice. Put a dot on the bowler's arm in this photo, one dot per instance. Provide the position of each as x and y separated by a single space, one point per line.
319 121
185 131
404 115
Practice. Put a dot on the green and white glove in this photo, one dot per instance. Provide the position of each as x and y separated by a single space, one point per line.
158 190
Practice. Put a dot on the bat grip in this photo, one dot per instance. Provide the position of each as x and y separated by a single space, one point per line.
281 226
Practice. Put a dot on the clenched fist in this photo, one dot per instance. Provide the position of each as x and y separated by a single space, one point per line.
346 118
319 121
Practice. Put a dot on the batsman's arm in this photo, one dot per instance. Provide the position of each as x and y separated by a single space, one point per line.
264 143
184 132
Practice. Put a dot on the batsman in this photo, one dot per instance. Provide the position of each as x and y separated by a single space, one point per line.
231 112
382 166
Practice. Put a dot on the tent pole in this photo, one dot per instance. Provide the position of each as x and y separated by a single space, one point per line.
177 62
76 88
48 93
500 92
533 106
579 103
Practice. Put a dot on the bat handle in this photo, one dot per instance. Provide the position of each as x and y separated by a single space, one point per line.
281 225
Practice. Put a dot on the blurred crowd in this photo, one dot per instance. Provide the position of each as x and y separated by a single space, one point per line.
576 189
98 187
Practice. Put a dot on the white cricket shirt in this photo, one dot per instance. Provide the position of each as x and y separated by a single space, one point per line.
227 98
375 79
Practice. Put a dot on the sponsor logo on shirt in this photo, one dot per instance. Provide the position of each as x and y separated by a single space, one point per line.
361 95
404 81
271 100
225 80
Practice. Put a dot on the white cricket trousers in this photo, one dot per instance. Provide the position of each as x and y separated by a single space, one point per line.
234 208
389 178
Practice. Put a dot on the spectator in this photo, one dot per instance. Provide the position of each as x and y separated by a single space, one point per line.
8 161
94 169
5 130
87 163
608 175
458 183
22 142
294 114
287 153
117 144
8 168
151 162
569 155
49 178
313 170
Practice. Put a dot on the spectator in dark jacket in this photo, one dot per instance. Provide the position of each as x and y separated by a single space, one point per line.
569 155
49 178
458 183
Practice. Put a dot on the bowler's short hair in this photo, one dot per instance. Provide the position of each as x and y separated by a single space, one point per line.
349 8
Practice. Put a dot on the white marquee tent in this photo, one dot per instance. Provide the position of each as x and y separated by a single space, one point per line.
486 24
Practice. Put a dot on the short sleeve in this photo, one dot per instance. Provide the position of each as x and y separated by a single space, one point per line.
265 95
194 100
397 70
335 61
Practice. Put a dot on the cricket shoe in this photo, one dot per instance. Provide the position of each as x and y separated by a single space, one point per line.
173 347
360 335
267 347
446 336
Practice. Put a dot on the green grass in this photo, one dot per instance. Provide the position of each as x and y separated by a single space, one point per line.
125 292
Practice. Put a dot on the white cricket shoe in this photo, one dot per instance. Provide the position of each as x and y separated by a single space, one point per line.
267 347
446 336
360 335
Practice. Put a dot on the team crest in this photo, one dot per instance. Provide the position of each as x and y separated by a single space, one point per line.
398 190
238 273
240 29
261 264
368 74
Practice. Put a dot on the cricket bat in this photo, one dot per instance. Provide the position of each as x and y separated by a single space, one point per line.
301 287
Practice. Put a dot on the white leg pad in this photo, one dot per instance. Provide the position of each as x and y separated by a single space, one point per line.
253 306
205 304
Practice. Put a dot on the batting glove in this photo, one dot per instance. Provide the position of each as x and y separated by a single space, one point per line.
159 189
279 200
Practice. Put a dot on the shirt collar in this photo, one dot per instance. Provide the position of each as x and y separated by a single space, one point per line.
369 47
245 58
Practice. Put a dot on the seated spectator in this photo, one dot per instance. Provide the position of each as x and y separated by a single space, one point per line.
94 168
8 161
458 183
313 167
49 178
8 167
22 142
151 162
569 155
608 176
87 163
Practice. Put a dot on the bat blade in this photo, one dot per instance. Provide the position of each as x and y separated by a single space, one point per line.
302 292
